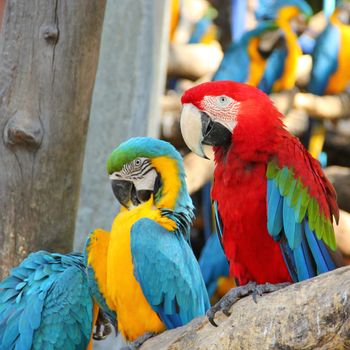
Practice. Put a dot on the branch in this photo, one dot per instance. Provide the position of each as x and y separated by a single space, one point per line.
308 315
324 107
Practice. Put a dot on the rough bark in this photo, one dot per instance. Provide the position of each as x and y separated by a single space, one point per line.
310 315
48 59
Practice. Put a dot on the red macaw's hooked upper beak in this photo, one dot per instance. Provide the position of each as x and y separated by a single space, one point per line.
199 129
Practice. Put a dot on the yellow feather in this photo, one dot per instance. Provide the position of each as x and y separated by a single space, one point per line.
288 78
124 293
341 78
168 170
257 65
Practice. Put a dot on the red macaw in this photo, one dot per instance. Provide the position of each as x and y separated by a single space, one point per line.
275 207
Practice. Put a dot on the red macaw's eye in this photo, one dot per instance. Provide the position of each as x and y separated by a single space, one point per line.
221 107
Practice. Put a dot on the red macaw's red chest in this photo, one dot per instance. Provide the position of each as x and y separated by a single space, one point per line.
240 190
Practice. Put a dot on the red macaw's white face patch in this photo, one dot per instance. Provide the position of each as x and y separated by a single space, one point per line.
222 109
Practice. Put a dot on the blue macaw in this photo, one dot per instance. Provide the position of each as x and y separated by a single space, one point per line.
45 303
144 267
266 57
331 67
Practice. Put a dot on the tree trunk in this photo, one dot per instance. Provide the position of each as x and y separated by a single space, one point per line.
313 314
126 101
48 59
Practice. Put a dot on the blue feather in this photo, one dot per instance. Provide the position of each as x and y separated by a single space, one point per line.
274 209
273 70
305 255
292 229
41 298
325 59
319 251
213 263
169 274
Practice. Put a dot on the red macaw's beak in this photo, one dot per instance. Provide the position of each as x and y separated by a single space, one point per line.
199 129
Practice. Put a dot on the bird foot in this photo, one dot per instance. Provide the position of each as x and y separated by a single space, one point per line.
225 303
139 341
103 328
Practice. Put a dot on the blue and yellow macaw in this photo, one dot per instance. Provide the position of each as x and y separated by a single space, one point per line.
215 269
144 267
45 303
331 67
267 56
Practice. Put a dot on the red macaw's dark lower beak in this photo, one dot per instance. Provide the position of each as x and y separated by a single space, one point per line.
199 129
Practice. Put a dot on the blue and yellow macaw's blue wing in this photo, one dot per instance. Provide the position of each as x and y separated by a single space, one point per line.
45 304
213 263
295 219
273 70
236 63
168 273
325 59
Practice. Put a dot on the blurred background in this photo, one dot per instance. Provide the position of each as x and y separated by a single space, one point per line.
145 55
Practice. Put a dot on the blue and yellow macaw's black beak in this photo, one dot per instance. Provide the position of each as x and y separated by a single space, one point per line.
125 192
131 192
199 129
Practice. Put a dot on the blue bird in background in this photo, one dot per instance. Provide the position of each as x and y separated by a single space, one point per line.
45 303
215 269
267 56
331 67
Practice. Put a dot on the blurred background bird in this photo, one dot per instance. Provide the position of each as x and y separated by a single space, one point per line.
267 56
330 72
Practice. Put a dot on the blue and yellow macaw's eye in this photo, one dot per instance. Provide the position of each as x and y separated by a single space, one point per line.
135 182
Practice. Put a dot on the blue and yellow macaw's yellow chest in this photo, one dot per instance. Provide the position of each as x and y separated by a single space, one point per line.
144 268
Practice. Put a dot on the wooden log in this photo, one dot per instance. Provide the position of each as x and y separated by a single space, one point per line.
192 61
48 60
329 107
313 314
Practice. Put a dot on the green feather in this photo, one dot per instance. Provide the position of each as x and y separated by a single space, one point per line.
271 171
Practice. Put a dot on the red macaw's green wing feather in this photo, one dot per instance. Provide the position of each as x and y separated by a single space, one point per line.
301 204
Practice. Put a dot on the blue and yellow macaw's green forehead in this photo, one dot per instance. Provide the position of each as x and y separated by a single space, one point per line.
141 147
270 9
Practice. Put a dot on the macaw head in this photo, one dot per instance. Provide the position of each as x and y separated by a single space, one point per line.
226 113
294 12
143 167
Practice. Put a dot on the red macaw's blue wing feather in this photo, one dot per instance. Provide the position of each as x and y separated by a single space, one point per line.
45 304
295 219
168 273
